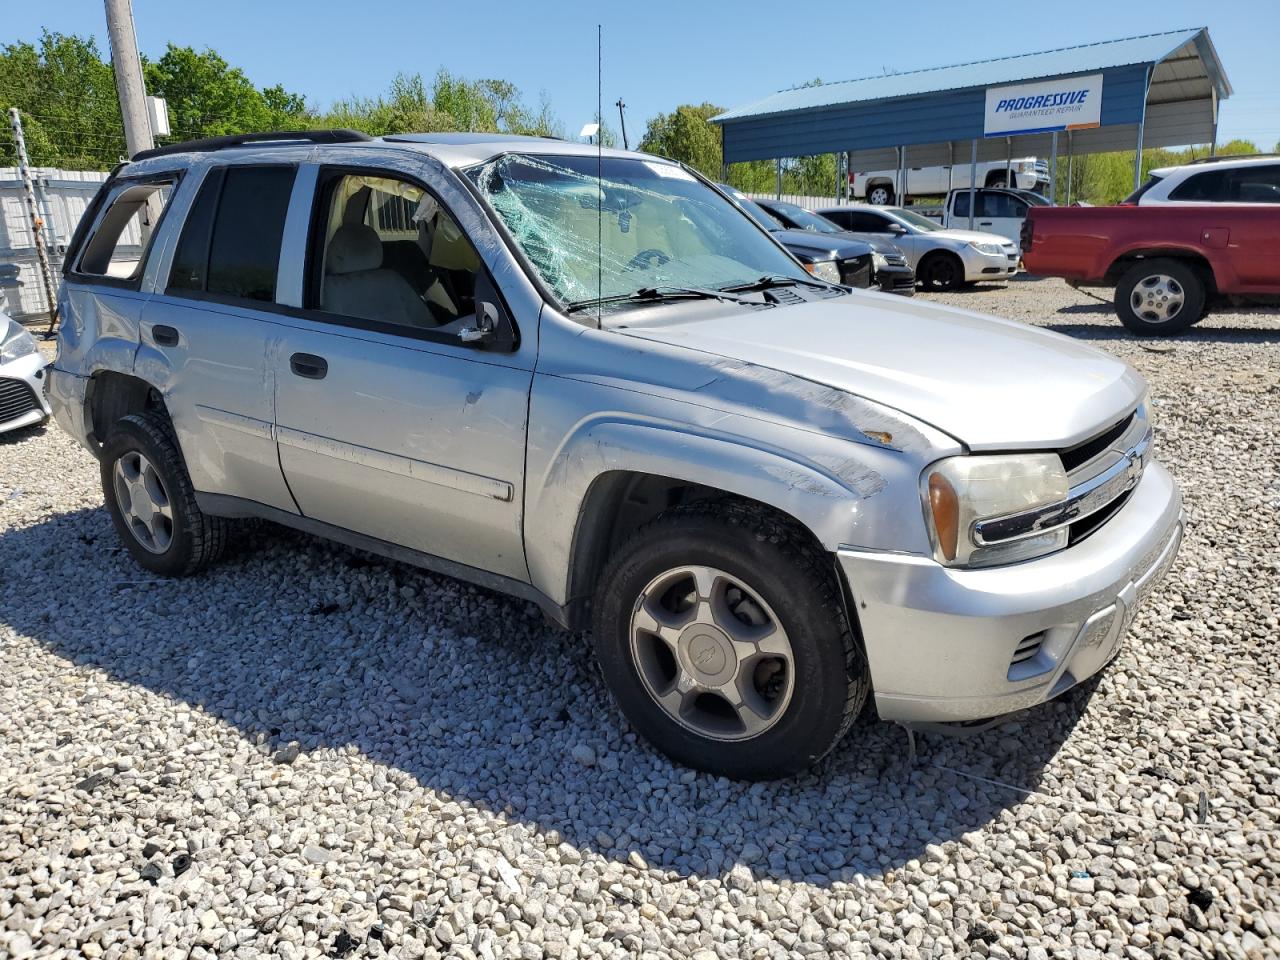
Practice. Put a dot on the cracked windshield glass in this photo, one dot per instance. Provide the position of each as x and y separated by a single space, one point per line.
640 225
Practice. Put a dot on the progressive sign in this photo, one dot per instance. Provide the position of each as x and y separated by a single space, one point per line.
1073 104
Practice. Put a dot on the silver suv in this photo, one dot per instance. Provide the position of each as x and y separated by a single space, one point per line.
588 380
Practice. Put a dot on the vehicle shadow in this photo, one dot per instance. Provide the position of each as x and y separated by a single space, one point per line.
477 698
1204 332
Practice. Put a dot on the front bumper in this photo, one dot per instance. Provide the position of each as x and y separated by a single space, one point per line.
989 266
22 400
946 644
896 279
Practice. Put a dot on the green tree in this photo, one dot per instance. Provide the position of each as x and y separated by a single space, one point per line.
66 93
208 97
686 134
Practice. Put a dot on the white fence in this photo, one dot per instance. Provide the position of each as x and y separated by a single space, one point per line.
809 203
61 197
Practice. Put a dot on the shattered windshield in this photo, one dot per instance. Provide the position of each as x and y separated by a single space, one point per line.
642 224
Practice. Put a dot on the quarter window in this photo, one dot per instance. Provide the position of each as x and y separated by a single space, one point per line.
230 244
119 245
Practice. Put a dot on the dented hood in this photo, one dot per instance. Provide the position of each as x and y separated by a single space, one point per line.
992 384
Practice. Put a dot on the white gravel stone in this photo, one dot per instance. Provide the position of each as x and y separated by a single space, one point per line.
345 747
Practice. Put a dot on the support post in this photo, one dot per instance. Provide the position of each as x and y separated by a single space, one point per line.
1070 158
778 178
1142 125
33 216
1008 162
1053 166
951 169
1213 143
128 70
973 180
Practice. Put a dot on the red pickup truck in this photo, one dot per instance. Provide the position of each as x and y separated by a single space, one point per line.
1168 263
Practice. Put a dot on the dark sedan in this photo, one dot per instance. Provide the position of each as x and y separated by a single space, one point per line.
836 259
893 273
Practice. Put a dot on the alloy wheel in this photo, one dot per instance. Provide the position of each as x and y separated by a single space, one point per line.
712 653
143 501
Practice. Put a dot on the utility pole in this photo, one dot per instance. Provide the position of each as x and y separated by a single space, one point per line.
33 216
128 69
623 121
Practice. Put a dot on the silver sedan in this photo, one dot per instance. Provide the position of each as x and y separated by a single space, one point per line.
943 259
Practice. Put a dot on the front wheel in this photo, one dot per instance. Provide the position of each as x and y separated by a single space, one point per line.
941 271
721 632
1160 297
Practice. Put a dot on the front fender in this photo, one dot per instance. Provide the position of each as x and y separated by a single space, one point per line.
842 492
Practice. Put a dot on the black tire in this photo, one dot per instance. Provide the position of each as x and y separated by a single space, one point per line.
941 270
795 578
882 190
996 181
1139 313
195 539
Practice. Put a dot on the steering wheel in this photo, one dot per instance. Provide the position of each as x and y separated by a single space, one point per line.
646 259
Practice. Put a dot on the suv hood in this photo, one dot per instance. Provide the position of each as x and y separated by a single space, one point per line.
992 384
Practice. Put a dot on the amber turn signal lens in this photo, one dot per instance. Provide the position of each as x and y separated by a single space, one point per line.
946 513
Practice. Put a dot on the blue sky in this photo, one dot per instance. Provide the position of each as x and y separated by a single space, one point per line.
659 53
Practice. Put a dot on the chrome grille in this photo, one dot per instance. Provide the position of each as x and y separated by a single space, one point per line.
16 399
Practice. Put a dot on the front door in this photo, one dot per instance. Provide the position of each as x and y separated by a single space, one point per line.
391 419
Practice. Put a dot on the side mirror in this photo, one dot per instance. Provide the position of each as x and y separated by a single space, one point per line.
897 229
486 324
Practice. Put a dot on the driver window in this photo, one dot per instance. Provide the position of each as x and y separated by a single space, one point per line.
392 254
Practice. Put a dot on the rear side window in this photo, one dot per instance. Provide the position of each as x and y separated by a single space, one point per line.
1208 186
230 244
1258 183
117 249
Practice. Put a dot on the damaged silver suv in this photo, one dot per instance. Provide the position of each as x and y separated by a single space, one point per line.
590 381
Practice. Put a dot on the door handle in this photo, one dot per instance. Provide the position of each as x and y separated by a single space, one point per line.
164 336
309 365
984 223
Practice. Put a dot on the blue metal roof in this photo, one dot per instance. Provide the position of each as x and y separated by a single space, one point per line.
1146 49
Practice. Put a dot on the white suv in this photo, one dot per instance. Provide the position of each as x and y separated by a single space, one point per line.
1254 179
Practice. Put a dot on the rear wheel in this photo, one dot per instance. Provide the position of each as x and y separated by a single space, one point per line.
721 632
881 195
151 500
1160 297
941 270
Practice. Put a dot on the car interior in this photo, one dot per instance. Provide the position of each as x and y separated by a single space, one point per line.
392 254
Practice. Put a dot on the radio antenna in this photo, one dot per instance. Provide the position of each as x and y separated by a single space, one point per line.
599 174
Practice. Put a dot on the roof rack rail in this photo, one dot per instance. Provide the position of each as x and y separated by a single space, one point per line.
1224 157
283 137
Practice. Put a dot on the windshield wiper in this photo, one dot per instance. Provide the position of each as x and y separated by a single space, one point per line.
658 295
774 281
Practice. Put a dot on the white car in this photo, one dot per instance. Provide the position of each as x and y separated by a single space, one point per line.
22 401
942 258
1254 179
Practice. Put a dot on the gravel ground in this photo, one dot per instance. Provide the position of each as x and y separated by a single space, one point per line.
308 752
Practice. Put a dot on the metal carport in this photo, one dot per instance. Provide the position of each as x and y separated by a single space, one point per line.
1160 89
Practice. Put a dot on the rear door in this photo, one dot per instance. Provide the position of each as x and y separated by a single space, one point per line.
205 332
391 422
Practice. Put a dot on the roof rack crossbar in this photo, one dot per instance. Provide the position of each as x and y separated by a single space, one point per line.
283 137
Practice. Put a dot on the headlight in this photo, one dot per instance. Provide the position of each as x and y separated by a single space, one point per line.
17 343
878 261
824 270
990 249
961 491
